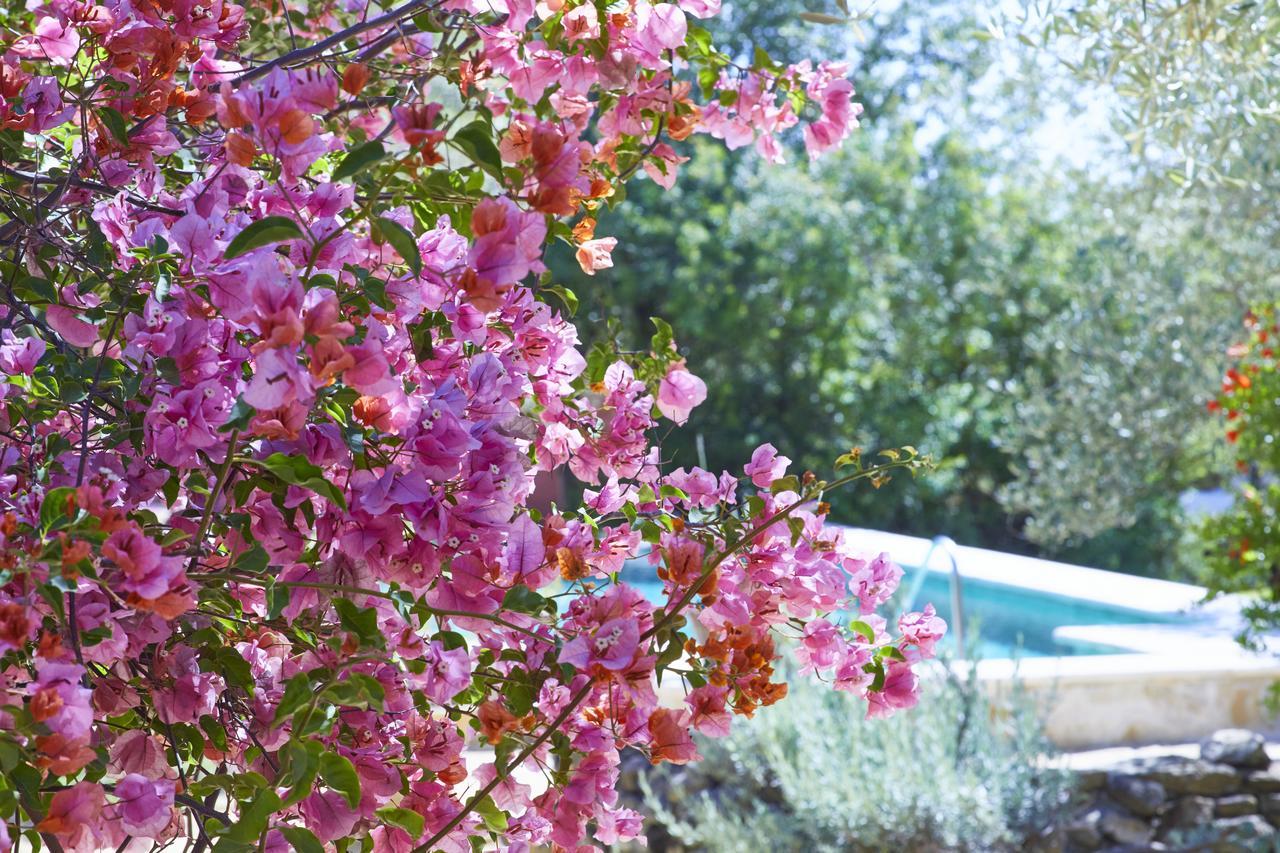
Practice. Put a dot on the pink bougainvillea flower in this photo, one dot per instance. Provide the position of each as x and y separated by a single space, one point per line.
701 8
901 691
295 505
74 331
328 815
874 581
679 393
448 671
612 646
146 570
660 27
821 646
60 702
75 816
43 106
144 805
581 22
709 712
766 466
51 40
19 355
138 752
922 630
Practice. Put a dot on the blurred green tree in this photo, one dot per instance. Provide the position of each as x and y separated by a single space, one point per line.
1046 335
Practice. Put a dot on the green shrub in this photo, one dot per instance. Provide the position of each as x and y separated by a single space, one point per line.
959 772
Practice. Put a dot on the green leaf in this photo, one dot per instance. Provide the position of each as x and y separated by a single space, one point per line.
214 731
114 122
494 817
303 763
401 239
361 621
340 774
254 814
358 159
277 599
297 693
357 691
860 627
302 839
567 296
407 819
674 492
54 507
299 472
231 664
35 289
268 230
789 483
476 141
519 697
663 338
254 561
521 599
891 652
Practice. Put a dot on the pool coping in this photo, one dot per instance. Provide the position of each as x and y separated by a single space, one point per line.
1113 589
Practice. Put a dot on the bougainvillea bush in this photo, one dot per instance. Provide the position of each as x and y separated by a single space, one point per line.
1243 543
282 365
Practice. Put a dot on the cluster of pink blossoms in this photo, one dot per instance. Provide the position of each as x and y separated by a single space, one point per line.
282 365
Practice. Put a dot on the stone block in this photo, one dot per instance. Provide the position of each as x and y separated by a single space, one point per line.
1236 805
1084 831
1180 775
1263 781
1186 813
1143 797
1236 747
1269 805
1243 835
1124 828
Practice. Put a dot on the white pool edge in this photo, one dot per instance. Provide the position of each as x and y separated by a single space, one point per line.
1171 682
1112 589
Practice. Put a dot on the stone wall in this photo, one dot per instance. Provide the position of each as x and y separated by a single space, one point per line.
1227 799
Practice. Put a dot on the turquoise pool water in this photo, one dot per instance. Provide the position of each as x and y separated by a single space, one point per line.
1012 621
1008 621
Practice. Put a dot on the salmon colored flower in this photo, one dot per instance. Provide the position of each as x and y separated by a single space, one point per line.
595 255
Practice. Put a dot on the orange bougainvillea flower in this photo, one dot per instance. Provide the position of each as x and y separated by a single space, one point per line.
496 721
296 127
670 738
45 704
240 148
584 229
15 626
368 409
354 78
171 605
571 568
63 757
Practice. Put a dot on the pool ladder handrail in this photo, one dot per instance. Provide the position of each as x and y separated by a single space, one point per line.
947 545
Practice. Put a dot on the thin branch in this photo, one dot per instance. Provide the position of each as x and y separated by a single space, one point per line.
93 186
304 54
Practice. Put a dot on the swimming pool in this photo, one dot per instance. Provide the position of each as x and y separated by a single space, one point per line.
1010 621
1001 620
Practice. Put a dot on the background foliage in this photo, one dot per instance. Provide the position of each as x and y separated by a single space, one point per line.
1050 333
